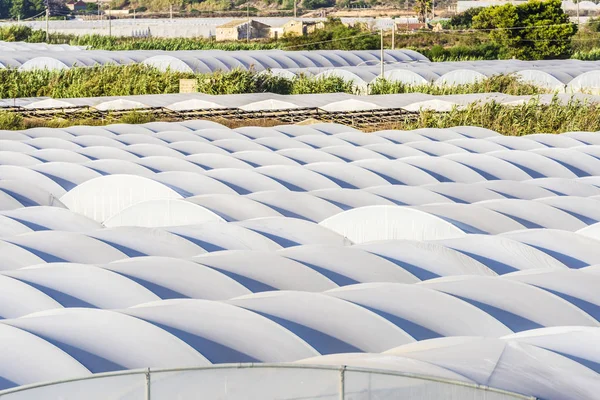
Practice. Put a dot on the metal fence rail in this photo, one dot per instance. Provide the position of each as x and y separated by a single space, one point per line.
258 381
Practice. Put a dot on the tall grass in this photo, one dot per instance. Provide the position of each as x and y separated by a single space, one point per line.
507 84
587 55
461 52
528 118
107 80
127 43
139 79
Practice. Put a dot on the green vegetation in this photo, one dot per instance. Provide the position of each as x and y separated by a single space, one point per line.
10 120
240 81
547 32
464 20
137 79
484 51
128 43
507 84
21 33
314 4
531 117
107 80
423 8
28 8
335 36
590 55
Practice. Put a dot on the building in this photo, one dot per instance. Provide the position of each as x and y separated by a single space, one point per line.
117 13
298 27
242 29
76 5
411 26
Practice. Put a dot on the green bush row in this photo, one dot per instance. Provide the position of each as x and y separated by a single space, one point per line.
139 79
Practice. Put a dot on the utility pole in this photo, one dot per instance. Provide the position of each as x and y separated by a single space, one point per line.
171 11
382 67
47 22
248 23
109 22
393 34
295 8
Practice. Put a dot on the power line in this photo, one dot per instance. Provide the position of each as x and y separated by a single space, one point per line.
458 31
511 28
329 41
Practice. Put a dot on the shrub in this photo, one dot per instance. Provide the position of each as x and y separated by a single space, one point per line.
464 19
547 32
507 84
10 120
15 33
314 4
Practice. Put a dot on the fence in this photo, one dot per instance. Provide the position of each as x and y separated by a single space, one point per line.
257 381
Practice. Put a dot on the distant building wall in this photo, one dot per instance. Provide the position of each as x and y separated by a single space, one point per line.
117 13
242 30
298 27
228 33
258 30
76 5
276 32
294 27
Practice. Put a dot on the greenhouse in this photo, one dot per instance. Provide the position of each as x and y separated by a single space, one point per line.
361 68
205 60
325 102
566 76
119 242
42 47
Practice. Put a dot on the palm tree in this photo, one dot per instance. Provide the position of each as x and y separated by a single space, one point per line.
422 8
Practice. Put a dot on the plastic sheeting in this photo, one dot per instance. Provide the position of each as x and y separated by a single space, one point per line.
328 102
426 252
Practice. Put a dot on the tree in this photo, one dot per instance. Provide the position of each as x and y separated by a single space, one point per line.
17 9
422 8
335 36
314 4
5 9
26 8
531 31
91 8
465 18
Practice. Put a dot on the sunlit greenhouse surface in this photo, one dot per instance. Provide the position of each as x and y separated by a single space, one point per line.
169 259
